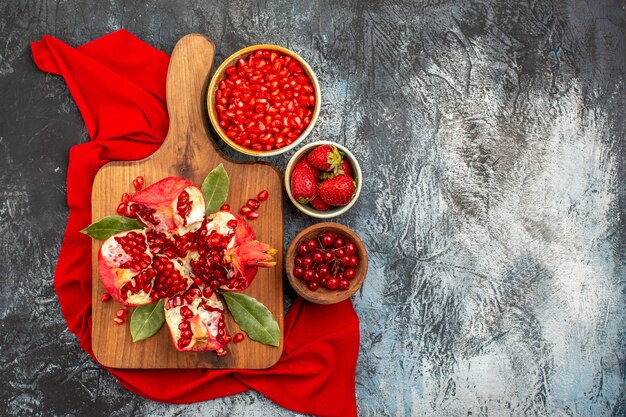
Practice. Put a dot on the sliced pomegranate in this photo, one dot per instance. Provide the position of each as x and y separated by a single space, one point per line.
182 257
123 261
228 253
196 320
133 275
170 205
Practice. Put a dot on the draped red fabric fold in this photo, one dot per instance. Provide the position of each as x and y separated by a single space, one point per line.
118 84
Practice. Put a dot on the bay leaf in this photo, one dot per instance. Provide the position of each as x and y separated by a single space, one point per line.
253 318
215 189
110 225
147 320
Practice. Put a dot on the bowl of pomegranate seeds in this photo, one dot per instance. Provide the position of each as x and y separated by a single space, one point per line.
263 100
326 263
323 179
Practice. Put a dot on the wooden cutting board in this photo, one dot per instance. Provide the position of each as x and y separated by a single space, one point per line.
188 151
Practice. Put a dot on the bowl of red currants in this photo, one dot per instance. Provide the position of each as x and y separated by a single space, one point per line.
263 100
326 263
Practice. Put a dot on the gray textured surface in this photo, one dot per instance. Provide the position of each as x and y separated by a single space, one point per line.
492 138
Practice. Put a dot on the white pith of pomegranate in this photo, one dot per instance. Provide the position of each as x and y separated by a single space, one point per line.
182 257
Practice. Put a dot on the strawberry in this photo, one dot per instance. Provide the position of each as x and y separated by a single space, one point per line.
325 157
318 204
343 168
304 181
337 191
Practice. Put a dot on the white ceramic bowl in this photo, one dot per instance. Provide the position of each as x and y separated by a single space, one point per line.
307 209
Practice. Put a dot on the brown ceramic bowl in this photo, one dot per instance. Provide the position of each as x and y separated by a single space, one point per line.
324 295
220 75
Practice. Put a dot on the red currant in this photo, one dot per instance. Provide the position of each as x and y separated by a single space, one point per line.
318 257
350 248
327 239
338 242
311 245
332 283
302 249
323 271
349 274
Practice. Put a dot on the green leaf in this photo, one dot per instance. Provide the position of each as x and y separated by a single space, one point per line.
147 320
253 318
215 189
110 225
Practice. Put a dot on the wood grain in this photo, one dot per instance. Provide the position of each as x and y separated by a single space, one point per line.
189 152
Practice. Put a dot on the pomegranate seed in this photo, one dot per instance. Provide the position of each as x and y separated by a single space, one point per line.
245 210
253 204
258 88
221 352
121 313
105 297
121 209
225 207
232 224
138 183
263 195
253 215
238 337
119 321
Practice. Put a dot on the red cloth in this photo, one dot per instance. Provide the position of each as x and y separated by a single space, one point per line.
118 83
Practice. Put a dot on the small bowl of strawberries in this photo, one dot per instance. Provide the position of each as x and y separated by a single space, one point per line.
323 179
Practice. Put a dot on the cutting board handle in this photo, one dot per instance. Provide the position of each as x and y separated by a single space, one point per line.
190 65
